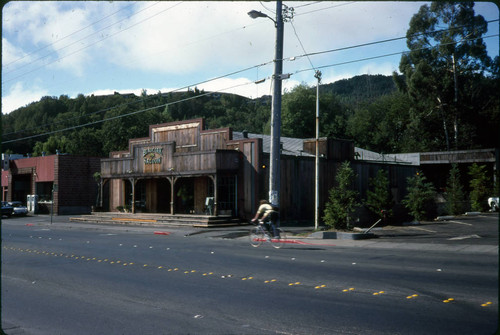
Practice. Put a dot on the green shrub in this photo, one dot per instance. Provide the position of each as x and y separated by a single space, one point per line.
342 199
454 192
479 187
420 198
379 198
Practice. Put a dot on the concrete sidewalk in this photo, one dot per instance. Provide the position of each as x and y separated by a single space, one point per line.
376 243
296 235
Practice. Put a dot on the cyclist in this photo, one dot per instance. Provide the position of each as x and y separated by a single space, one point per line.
270 217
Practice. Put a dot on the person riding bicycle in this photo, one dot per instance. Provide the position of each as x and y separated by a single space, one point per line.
269 218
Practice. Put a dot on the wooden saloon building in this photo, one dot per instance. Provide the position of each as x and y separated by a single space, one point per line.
183 168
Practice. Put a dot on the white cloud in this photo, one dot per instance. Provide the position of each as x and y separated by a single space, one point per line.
373 68
185 38
19 96
57 33
12 55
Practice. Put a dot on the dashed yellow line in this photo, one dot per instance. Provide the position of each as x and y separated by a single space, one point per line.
297 283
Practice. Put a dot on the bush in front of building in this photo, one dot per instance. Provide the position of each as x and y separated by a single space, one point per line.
420 198
378 198
479 187
454 192
342 200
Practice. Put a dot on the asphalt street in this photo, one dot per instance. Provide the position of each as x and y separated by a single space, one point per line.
76 278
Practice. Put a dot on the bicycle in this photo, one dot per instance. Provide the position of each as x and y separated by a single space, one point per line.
260 234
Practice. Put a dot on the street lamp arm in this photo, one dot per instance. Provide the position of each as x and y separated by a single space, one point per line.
255 14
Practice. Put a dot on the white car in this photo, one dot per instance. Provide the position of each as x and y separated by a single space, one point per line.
19 209
493 202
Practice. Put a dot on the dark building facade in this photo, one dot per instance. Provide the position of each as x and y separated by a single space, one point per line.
63 184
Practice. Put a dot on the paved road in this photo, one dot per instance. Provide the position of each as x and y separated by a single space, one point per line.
70 278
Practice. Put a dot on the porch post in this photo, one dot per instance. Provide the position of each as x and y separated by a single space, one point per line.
216 195
101 186
132 181
172 181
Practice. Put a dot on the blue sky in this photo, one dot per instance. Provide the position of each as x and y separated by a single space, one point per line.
67 48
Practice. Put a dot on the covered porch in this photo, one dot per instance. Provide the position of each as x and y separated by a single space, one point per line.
189 183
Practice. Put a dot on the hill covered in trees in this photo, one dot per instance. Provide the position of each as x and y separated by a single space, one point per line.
367 109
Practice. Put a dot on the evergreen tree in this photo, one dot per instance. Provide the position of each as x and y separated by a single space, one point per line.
447 52
454 192
479 187
379 199
342 199
420 198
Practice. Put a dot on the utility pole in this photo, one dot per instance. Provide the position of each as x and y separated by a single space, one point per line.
274 173
455 100
317 75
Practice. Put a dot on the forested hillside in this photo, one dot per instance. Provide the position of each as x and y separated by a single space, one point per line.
445 98
367 109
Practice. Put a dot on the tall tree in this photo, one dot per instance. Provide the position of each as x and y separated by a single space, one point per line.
446 51
299 114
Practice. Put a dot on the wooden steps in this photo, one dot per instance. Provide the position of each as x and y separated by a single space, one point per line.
158 219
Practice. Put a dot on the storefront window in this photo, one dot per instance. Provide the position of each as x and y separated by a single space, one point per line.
44 191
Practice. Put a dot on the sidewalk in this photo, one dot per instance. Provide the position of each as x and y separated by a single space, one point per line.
383 239
376 243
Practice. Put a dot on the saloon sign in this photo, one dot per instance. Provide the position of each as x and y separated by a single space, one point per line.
152 155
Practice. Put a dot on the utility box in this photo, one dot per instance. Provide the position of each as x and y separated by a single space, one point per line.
32 203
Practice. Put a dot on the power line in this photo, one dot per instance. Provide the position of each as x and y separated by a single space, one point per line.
325 8
300 42
71 34
125 115
308 4
208 93
263 64
87 46
381 41
140 100
387 55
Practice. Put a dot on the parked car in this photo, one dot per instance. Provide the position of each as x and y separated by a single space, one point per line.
19 209
7 209
493 203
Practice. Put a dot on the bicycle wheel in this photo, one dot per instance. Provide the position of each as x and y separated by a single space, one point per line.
256 236
278 241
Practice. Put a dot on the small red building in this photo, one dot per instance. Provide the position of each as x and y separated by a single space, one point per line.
63 183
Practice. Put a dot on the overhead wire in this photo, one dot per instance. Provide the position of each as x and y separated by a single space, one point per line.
71 34
208 93
377 42
325 8
308 4
88 45
257 66
266 63
127 114
140 100
388 55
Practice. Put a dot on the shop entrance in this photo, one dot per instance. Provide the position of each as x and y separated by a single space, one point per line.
184 196
152 196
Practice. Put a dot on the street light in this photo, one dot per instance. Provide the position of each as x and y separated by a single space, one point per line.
274 162
255 14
